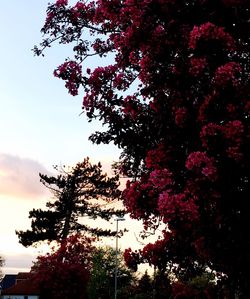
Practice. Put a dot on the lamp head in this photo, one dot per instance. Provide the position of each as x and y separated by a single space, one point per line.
120 219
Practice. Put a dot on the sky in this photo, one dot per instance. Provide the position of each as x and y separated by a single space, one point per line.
40 126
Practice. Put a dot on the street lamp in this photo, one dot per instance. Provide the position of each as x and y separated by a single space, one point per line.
116 253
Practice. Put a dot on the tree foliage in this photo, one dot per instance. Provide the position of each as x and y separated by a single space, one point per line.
201 286
65 272
144 287
1 265
83 192
102 280
175 99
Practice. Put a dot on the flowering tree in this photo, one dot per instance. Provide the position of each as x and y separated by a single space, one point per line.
65 272
174 95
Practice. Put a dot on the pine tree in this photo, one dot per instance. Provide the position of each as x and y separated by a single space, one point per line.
81 193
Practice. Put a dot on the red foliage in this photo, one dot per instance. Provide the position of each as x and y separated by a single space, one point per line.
131 258
183 291
71 72
61 2
64 273
178 208
209 31
202 164
197 66
175 99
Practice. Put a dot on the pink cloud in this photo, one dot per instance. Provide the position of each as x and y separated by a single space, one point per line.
19 262
19 177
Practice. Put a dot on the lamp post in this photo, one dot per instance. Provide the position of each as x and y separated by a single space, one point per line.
116 253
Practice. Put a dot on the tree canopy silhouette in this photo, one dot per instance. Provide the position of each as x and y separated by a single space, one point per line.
82 192
65 272
175 98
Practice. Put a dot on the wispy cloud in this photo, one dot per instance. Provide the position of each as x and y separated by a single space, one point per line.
19 177
18 263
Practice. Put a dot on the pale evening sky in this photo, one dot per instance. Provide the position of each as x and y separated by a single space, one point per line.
39 125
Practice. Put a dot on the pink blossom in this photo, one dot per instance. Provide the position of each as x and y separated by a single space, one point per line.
49 18
177 206
80 6
197 66
180 116
207 102
71 72
137 199
152 252
61 2
157 158
131 107
233 132
208 131
145 64
209 31
201 163
161 178
227 73
234 152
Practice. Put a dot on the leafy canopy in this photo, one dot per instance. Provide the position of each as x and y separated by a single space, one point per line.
80 194
65 272
175 98
102 279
